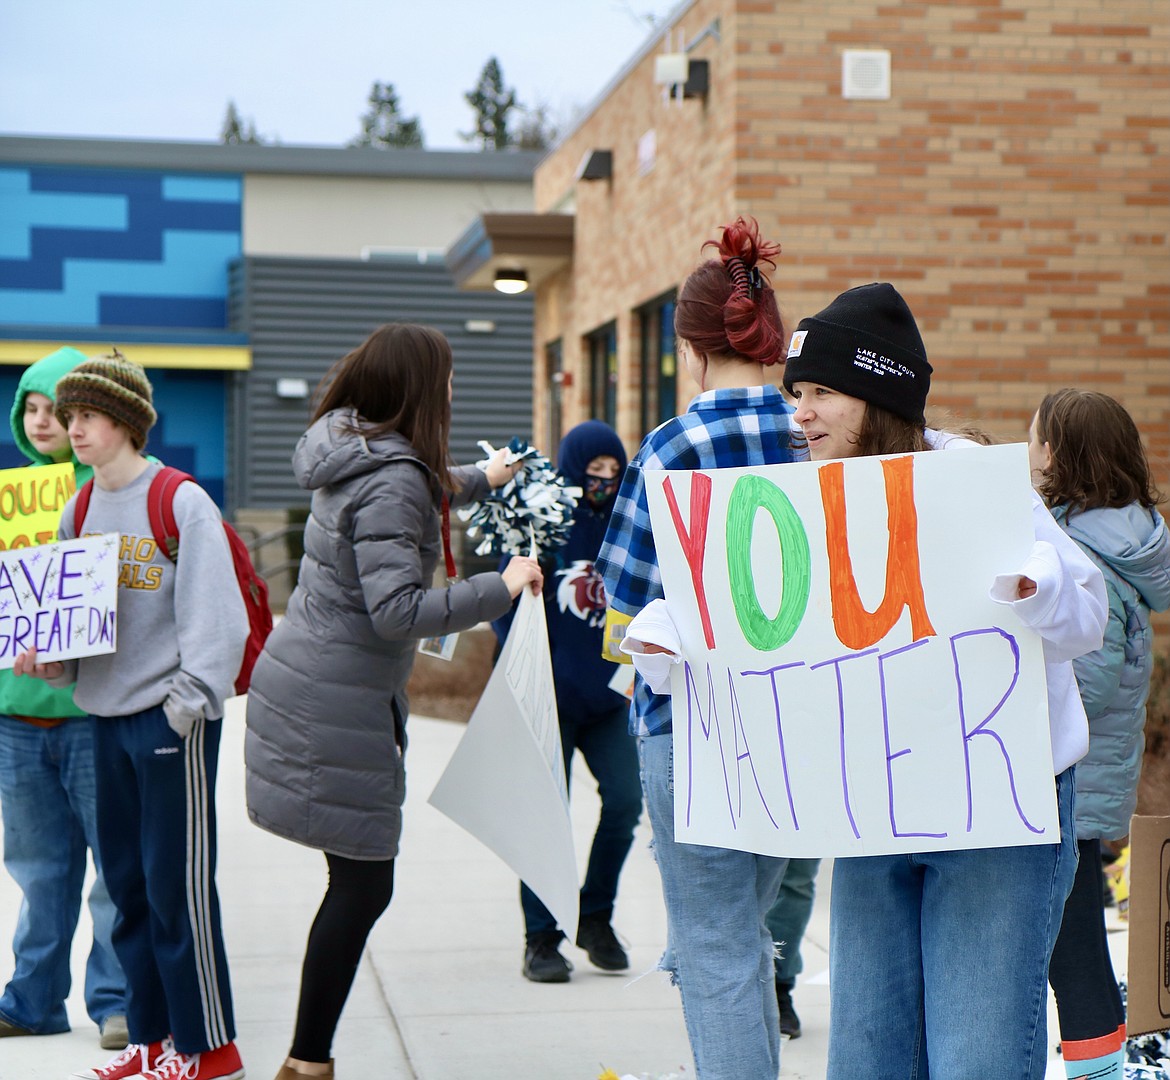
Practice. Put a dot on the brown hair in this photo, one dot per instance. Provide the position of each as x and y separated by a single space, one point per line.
397 380
1097 457
726 307
884 432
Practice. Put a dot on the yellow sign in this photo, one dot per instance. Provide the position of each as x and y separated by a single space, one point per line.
615 630
31 501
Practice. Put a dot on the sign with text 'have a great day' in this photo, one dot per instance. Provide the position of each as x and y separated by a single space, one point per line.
847 686
60 598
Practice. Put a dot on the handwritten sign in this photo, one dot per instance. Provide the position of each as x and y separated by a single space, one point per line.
61 598
505 783
847 685
31 501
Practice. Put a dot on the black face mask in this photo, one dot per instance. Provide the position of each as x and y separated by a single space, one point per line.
599 490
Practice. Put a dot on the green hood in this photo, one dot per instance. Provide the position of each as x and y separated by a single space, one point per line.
41 378
19 694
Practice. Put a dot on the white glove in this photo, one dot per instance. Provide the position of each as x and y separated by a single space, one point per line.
653 626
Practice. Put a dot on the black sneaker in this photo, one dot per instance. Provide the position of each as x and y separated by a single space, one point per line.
543 962
596 937
789 1021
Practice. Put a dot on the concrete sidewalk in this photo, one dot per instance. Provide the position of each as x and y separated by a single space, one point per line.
439 995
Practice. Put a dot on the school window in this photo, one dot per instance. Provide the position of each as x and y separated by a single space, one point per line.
554 394
659 363
603 374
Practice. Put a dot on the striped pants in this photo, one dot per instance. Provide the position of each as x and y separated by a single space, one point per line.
156 833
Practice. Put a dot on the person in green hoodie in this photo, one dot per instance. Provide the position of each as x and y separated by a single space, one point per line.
47 798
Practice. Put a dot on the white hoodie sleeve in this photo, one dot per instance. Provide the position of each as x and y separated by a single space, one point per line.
1069 609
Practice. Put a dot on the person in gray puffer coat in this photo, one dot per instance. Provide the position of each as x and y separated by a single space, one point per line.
327 706
1089 466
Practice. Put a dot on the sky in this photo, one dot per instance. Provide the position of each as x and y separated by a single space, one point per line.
301 71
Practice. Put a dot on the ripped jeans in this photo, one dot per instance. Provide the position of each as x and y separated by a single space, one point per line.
718 948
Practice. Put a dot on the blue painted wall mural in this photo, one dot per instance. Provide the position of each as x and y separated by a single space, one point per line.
109 247
189 434
89 248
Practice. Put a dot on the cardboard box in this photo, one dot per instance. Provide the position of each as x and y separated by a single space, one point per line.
1148 979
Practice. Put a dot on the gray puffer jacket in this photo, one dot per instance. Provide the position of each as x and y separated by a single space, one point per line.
327 705
1132 547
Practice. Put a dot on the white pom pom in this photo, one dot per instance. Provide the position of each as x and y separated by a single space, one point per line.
536 505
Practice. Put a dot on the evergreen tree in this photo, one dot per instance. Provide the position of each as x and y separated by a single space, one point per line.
383 124
236 129
492 104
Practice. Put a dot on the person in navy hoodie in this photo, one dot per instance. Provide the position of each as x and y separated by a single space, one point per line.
594 719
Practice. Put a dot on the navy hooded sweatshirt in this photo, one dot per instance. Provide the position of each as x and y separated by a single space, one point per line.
574 597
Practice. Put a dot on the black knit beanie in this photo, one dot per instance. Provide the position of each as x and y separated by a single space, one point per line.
864 344
112 385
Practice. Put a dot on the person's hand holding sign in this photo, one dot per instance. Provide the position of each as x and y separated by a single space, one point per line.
26 664
520 572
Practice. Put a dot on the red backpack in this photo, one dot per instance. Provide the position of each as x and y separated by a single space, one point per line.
160 507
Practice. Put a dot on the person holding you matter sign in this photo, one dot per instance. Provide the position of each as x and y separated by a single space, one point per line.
939 943
938 961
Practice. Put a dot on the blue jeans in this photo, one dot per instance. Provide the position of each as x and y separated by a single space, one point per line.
47 796
788 918
718 948
938 962
605 743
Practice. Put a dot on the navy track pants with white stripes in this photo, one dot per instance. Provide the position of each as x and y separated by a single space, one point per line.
156 832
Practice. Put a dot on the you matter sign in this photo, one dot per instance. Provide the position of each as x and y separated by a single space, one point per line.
847 686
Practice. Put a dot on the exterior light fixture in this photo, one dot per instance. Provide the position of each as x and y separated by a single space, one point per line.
596 165
511 281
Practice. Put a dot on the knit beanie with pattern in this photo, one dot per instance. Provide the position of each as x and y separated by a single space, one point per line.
865 344
112 385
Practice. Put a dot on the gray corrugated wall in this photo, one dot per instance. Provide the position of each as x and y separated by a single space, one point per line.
303 314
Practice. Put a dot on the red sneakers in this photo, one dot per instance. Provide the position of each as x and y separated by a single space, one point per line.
222 1063
131 1062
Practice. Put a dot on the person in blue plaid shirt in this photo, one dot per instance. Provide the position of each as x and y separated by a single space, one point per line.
719 950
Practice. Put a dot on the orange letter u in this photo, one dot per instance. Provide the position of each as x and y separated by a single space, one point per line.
857 628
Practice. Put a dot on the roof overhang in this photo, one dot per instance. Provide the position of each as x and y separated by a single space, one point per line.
538 244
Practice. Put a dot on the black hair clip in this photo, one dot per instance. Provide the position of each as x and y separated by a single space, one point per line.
755 281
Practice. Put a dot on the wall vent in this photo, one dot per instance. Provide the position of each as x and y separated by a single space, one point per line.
865 73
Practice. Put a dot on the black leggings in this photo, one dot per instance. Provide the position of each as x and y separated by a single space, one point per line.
1081 972
358 893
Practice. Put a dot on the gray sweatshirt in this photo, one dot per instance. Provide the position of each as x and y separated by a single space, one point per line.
181 626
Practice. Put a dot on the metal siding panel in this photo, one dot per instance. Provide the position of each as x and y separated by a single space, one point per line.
304 314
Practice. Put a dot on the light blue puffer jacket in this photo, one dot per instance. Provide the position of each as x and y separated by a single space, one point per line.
1131 545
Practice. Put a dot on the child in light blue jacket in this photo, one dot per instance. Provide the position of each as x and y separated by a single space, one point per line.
1089 466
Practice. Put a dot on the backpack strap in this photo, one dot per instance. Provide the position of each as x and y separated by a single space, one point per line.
81 507
160 508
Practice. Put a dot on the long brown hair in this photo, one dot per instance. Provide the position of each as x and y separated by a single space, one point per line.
1097 457
397 380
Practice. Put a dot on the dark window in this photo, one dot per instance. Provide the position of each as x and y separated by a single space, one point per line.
603 374
554 365
659 363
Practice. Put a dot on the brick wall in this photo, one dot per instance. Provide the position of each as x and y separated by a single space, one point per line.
1015 187
638 235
